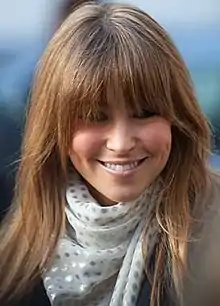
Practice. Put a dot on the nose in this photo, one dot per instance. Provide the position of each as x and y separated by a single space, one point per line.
121 137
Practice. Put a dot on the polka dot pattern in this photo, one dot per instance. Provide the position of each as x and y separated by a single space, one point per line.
99 259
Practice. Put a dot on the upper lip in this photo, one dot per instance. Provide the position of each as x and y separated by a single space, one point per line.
123 162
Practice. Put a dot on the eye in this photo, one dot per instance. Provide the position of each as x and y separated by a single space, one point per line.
144 114
97 118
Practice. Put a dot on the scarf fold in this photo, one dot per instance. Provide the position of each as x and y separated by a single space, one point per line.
99 262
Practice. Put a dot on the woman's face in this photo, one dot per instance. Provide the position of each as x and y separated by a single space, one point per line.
120 155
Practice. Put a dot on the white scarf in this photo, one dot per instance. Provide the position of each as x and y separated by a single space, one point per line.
99 261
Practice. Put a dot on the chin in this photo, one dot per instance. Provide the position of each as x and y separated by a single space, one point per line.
127 197
113 196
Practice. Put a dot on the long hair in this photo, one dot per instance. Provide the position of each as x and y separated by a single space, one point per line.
97 45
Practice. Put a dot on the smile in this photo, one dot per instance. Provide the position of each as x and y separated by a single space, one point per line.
122 167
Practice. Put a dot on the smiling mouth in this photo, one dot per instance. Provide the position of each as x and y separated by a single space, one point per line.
122 167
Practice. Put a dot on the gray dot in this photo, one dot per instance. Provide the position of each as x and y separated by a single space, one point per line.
136 274
77 276
92 263
67 254
102 297
60 287
133 299
85 196
79 215
135 287
58 256
76 253
86 274
104 210
98 273
114 208
150 236
75 197
87 218
138 264
72 190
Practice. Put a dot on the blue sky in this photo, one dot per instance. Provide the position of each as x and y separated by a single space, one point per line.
189 13
193 24
29 16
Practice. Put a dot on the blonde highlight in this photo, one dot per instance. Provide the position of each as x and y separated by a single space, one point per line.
98 45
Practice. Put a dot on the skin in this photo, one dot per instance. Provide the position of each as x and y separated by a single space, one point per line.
120 137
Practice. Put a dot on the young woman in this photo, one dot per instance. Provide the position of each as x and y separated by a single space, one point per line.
115 203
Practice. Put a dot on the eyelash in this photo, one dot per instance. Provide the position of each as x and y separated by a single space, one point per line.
144 114
102 117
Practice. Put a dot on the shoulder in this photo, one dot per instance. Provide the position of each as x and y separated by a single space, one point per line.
204 247
211 201
214 179
209 220
211 231
208 202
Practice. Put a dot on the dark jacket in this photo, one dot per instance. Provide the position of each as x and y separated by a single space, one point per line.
38 297
202 288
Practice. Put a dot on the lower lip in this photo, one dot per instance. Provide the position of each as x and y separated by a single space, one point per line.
126 172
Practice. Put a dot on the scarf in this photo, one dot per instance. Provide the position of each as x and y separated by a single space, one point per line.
99 261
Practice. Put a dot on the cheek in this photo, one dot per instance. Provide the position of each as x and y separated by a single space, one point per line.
84 145
158 137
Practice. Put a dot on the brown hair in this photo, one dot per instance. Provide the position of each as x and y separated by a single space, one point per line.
97 45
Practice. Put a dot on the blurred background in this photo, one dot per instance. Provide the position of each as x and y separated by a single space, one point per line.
26 26
195 28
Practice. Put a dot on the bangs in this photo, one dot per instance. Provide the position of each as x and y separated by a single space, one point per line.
137 74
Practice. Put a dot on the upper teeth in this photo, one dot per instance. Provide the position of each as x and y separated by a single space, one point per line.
121 167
